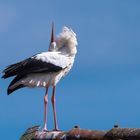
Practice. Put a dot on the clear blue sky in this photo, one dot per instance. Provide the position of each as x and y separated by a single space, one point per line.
103 87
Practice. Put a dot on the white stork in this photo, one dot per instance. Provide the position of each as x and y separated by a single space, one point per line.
45 69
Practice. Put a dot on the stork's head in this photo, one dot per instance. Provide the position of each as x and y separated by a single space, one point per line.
52 46
67 41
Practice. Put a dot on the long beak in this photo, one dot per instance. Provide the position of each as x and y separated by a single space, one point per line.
52 35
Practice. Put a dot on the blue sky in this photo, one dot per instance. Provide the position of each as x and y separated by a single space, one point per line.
103 87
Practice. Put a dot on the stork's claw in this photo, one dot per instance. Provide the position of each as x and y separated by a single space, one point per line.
45 130
56 129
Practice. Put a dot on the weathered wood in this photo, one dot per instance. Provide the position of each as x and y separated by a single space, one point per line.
123 134
116 133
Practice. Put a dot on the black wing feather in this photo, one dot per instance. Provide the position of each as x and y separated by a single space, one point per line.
9 90
23 68
30 65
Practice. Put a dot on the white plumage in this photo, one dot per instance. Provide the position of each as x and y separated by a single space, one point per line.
63 56
45 69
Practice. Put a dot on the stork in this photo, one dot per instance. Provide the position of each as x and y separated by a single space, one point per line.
45 69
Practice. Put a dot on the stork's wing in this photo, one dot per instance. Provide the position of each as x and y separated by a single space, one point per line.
44 62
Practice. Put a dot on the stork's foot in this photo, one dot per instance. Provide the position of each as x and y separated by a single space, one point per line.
56 129
45 130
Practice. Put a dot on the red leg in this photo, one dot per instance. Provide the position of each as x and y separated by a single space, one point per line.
54 110
45 109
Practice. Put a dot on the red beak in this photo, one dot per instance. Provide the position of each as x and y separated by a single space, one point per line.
52 35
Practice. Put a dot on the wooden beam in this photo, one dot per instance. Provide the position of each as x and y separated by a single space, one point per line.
116 133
